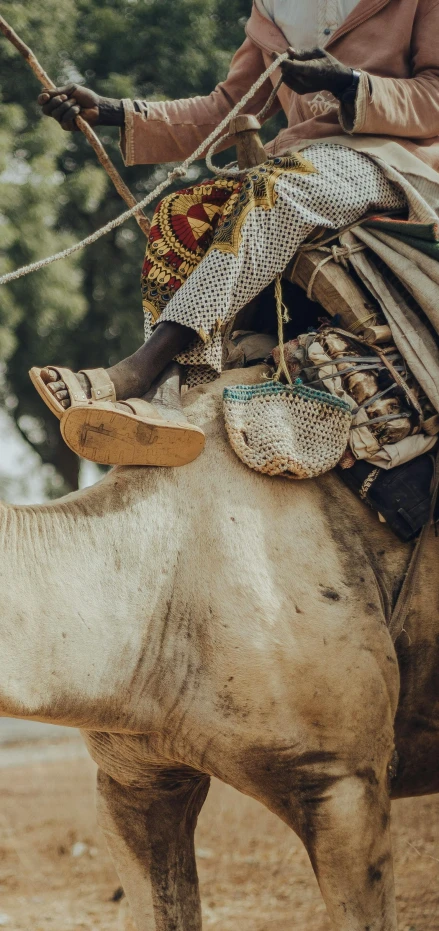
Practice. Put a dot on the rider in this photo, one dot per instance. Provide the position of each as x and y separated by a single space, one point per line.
363 111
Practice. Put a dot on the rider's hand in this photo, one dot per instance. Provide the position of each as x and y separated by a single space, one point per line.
314 71
64 104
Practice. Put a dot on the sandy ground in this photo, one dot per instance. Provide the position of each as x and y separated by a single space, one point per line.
55 874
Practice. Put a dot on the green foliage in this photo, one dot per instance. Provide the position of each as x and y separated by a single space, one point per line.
85 311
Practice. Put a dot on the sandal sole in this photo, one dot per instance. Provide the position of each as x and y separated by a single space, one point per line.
112 437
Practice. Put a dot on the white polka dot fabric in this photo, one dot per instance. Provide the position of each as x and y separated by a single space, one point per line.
346 186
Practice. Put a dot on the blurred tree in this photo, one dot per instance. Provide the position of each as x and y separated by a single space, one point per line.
86 311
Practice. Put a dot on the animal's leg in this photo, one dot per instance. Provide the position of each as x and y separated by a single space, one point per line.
150 834
345 825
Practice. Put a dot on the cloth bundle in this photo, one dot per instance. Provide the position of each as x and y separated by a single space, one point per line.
386 428
404 281
293 431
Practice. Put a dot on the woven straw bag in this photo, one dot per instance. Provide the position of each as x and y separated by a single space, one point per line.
281 430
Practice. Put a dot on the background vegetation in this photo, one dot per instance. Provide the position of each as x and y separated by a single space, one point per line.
85 311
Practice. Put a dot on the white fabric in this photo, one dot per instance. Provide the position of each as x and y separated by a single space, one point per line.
396 454
307 23
420 276
418 180
346 186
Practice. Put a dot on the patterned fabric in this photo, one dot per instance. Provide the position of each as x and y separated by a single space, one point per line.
257 190
345 186
211 214
181 233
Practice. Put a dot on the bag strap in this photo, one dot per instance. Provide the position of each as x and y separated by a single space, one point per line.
404 601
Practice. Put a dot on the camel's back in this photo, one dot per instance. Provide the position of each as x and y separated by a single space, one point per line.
274 558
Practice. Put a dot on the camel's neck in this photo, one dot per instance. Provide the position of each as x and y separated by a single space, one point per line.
76 582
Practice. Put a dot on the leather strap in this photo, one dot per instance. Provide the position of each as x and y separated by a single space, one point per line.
102 388
143 409
409 394
74 387
405 597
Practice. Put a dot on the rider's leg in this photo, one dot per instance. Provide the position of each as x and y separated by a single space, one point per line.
245 259
133 377
255 246
164 272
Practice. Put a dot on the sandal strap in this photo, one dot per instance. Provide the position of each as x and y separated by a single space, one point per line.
73 385
143 409
102 388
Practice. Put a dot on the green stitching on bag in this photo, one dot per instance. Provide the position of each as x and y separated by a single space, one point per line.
269 388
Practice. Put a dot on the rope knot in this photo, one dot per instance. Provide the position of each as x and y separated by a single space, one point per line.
178 172
337 253
340 254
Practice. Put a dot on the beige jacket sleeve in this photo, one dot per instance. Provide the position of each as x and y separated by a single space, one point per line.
404 107
172 130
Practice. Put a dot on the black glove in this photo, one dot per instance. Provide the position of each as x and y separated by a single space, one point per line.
64 104
315 71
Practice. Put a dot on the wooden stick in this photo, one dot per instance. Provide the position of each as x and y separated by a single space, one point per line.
335 290
249 148
89 134
378 334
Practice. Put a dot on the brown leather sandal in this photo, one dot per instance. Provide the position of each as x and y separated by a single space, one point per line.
102 388
130 433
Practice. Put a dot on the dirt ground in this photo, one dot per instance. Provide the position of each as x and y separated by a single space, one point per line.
55 874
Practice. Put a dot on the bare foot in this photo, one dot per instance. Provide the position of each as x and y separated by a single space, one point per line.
59 389
133 377
128 382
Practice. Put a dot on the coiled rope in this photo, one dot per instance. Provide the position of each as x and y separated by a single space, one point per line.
179 172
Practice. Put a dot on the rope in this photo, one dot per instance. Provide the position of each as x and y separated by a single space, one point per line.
179 172
232 171
338 254
319 245
282 316
363 323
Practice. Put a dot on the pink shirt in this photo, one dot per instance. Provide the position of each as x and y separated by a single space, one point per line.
394 43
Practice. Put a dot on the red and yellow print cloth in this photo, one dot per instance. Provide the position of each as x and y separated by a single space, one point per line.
210 215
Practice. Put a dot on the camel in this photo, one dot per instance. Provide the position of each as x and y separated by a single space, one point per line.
209 621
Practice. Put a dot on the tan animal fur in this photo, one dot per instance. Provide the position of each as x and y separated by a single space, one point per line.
209 621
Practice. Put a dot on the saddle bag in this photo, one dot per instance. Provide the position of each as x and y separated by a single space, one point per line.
279 429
